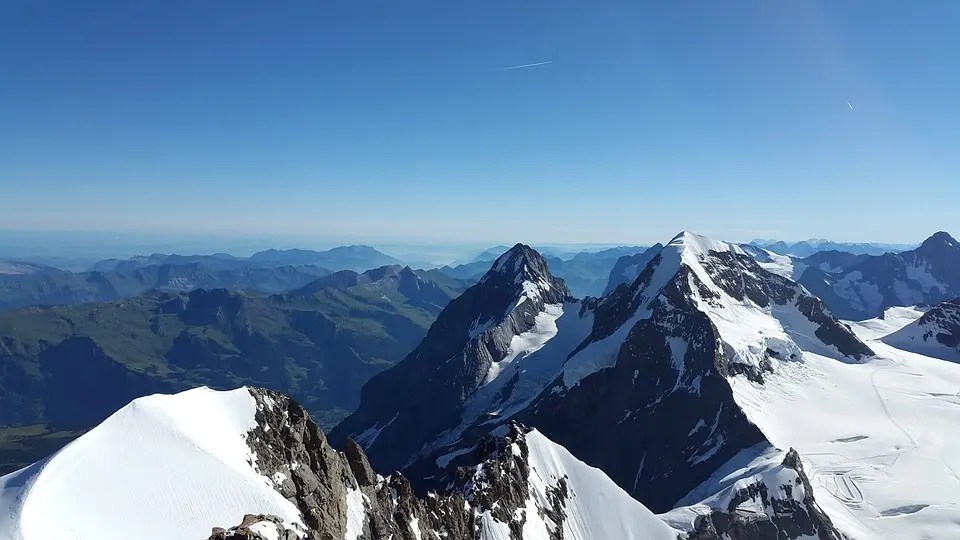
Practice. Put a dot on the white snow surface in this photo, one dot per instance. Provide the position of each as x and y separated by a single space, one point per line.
13 268
369 435
356 513
878 438
922 339
597 507
783 265
535 360
862 295
266 529
762 463
527 343
921 274
176 464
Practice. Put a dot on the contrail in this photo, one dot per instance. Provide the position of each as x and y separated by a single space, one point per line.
849 105
525 66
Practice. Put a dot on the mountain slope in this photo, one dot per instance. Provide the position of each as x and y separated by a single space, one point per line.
50 286
507 315
70 367
935 334
925 275
683 374
172 464
356 258
180 465
701 315
628 267
634 383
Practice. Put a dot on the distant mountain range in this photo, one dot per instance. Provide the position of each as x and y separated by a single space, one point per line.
862 287
586 273
356 258
806 248
707 394
39 286
68 367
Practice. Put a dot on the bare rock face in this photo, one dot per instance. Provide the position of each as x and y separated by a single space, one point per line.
339 491
340 496
473 332
786 516
256 527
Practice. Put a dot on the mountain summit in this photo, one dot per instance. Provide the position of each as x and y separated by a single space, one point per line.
636 382
508 314
926 275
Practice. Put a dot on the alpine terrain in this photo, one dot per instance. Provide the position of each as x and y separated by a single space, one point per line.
64 369
705 362
709 397
925 275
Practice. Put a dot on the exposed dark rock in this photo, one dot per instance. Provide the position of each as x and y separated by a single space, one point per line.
787 519
628 267
943 322
830 330
926 275
292 451
472 332
656 425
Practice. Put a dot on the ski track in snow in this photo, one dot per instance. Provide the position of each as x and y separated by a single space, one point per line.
876 437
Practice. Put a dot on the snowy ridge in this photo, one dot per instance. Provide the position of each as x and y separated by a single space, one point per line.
595 506
784 265
936 333
874 435
760 483
756 315
177 464
555 496
469 362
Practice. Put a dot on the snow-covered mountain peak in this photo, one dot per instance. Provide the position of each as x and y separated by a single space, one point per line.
699 246
477 342
521 264
177 464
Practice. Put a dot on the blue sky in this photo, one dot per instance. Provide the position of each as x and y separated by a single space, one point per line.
380 120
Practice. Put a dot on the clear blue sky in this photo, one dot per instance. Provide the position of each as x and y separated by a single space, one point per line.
385 119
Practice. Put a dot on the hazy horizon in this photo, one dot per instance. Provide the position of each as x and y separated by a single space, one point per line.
78 249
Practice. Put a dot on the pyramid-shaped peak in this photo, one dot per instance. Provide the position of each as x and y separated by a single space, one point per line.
522 259
699 245
940 239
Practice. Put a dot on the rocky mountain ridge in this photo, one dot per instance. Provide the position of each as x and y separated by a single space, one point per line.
926 275
635 383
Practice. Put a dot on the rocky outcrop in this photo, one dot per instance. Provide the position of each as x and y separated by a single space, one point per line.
472 333
628 267
926 275
786 511
935 334
942 323
662 418
339 492
256 527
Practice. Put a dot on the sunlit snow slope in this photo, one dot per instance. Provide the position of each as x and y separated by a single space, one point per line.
598 507
172 465
879 437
